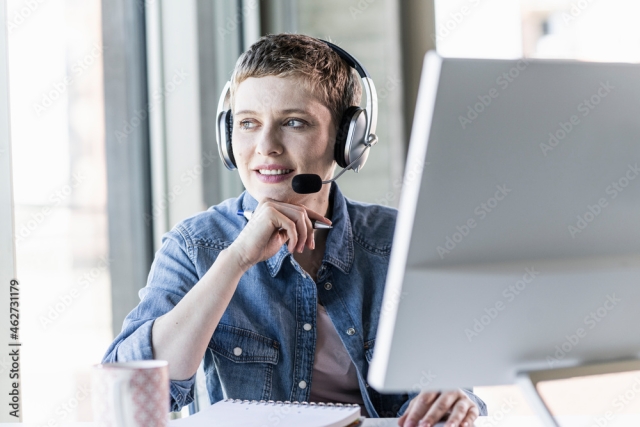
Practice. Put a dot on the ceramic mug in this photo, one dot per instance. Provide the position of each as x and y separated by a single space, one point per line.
131 394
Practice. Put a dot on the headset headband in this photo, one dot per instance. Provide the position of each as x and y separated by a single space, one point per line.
367 82
350 152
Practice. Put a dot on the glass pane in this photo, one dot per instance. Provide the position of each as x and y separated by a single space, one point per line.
573 29
55 67
478 28
582 29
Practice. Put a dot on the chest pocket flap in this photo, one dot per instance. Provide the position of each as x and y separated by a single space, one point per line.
244 346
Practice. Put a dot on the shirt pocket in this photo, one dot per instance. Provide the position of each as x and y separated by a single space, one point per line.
244 362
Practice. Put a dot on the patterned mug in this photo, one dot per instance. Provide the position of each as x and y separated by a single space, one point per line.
131 394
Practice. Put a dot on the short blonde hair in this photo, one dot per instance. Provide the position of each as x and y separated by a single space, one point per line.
326 75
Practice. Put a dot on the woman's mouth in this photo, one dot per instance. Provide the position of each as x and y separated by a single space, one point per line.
273 176
275 171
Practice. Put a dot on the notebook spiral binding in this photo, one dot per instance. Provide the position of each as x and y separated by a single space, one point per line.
286 402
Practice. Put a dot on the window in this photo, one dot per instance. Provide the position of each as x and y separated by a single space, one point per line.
577 29
581 29
57 120
478 28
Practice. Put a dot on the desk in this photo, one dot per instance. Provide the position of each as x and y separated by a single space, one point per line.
370 422
513 421
524 421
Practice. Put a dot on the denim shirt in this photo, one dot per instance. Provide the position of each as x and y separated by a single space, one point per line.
260 349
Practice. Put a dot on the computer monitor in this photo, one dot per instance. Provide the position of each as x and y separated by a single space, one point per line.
517 243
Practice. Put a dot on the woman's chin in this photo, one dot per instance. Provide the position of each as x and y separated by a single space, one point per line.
281 193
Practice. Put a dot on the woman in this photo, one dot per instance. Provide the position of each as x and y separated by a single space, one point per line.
277 309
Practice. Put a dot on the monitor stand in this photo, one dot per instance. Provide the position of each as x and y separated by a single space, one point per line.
528 382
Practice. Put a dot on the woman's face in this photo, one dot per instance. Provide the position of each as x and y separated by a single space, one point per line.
281 130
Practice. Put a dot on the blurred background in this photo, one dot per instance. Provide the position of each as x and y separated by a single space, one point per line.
112 120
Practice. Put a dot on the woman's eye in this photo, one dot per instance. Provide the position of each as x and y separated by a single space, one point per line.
246 124
294 123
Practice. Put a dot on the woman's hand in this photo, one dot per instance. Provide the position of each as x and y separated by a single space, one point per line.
428 408
272 224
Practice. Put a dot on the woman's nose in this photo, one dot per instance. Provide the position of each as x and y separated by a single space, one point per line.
269 142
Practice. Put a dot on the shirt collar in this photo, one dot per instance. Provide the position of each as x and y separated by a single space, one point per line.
339 245
248 203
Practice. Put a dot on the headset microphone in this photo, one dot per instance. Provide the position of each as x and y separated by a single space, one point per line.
307 183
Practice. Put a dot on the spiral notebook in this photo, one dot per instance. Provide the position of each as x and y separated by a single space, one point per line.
241 413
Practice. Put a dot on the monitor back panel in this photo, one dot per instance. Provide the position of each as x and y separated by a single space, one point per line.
514 165
550 168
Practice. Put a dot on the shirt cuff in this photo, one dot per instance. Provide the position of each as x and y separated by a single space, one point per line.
482 407
404 407
138 346
181 393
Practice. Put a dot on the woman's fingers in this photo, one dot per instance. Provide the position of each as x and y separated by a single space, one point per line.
459 412
439 408
274 223
301 216
311 242
315 215
418 407
283 224
471 417
302 223
428 408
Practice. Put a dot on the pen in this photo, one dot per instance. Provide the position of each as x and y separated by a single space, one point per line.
317 225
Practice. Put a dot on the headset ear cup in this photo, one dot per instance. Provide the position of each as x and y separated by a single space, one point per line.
224 128
229 132
343 134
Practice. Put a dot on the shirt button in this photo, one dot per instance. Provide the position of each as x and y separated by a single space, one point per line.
307 327
302 384
351 331
237 351
328 286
